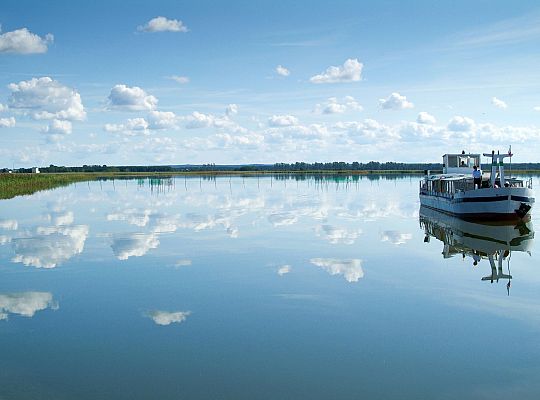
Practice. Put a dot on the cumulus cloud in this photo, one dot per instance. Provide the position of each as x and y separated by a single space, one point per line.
368 131
22 41
132 127
162 120
282 120
3 107
461 124
179 79
395 237
281 70
350 71
350 269
425 118
45 98
335 106
395 102
125 98
7 122
50 246
57 129
166 318
284 269
231 110
162 24
498 103
25 304
155 120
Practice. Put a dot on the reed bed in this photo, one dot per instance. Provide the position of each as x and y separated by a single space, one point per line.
12 185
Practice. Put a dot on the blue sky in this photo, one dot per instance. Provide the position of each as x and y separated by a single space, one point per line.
246 82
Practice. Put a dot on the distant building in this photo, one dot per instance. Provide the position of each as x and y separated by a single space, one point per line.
35 170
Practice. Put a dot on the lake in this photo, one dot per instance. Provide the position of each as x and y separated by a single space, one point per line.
262 288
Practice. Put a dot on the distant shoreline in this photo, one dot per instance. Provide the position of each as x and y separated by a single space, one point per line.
20 184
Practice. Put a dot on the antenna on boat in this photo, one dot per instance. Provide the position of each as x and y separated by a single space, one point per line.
510 154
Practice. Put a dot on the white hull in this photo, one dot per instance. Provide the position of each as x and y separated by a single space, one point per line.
482 204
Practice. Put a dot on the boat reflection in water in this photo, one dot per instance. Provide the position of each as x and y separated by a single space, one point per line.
494 243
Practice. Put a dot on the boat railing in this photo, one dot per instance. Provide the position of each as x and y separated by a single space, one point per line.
529 183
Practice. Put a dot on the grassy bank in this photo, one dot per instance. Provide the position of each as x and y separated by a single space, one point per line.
12 185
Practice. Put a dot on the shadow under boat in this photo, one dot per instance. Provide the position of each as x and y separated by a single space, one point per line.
479 241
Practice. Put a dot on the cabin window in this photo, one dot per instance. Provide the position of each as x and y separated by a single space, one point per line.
452 162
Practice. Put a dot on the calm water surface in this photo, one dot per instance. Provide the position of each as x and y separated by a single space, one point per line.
262 288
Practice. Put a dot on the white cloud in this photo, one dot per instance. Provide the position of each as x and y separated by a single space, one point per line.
156 120
281 70
134 98
23 41
57 129
350 269
537 108
179 79
45 98
25 304
395 237
3 107
231 110
368 131
133 126
395 102
166 318
50 246
284 269
334 106
9 224
7 122
162 120
461 124
498 103
350 71
425 118
250 140
199 120
282 120
162 24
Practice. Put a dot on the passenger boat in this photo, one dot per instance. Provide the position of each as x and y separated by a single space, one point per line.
499 198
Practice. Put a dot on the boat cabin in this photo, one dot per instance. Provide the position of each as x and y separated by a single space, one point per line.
460 163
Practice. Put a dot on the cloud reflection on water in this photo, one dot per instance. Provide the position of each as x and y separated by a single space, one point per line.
165 318
25 304
350 269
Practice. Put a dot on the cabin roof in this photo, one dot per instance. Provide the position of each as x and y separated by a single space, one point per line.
459 154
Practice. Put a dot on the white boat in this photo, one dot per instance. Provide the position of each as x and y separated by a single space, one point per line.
499 198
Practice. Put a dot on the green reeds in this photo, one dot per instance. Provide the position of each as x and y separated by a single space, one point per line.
12 185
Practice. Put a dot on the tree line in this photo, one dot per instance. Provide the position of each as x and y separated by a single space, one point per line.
278 167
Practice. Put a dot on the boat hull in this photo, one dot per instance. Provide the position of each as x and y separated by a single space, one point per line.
506 204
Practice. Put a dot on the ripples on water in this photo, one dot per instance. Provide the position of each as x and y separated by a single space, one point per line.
262 287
